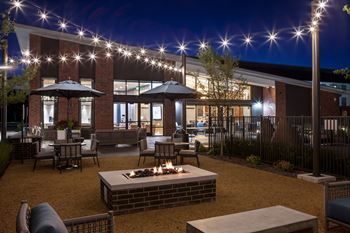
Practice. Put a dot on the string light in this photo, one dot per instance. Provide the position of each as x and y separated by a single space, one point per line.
247 40
63 58
272 37
95 40
298 33
77 57
26 53
108 55
182 48
49 59
225 43
36 60
92 56
161 50
203 45
11 61
322 5
43 16
109 45
153 62
63 25
81 33
16 4
159 64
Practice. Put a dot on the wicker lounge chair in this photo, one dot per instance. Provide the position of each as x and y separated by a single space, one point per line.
26 222
337 203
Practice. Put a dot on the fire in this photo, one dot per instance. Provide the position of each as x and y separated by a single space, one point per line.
169 165
132 173
160 170
180 170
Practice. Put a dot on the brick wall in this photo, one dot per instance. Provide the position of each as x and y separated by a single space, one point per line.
281 100
69 70
35 101
104 82
157 197
297 101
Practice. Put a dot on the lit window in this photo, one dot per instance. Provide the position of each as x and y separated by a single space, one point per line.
86 105
191 82
48 104
145 86
132 88
119 88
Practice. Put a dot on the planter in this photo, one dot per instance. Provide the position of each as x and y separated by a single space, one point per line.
61 135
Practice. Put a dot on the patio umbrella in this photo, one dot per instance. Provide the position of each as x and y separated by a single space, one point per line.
67 89
172 90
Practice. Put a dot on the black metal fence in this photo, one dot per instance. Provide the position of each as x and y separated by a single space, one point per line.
284 138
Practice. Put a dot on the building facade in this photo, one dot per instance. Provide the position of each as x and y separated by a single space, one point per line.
123 80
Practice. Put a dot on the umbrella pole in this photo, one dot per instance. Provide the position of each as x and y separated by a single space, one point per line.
68 110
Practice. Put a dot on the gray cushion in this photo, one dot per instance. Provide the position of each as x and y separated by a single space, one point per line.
148 152
188 153
339 209
44 219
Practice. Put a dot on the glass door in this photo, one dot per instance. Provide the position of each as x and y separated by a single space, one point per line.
133 116
145 117
119 115
157 119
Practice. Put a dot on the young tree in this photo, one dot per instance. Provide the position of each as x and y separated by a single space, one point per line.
16 89
344 72
224 83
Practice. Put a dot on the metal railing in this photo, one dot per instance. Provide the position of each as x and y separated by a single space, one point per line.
285 138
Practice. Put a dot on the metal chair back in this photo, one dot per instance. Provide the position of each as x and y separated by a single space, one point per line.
165 150
70 150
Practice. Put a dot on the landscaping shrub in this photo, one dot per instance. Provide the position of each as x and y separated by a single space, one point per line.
284 166
5 155
253 159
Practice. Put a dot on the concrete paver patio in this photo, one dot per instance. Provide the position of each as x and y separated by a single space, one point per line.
74 193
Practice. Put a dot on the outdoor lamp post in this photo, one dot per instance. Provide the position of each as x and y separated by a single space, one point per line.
315 95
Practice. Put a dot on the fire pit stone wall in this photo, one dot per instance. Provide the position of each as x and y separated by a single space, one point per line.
170 191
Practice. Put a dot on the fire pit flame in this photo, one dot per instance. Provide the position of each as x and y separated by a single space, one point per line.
165 169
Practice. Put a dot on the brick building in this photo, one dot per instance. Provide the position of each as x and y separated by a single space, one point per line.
123 80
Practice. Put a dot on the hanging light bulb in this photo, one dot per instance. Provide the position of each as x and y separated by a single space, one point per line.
108 55
298 33
109 45
248 40
146 60
63 58
26 53
95 40
92 56
225 43
81 33
63 25
77 57
11 61
18 5
322 4
43 16
203 45
36 60
272 37
138 57
161 50
182 48
153 62
49 59
143 51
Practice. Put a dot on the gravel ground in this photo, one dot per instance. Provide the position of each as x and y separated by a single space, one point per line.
76 193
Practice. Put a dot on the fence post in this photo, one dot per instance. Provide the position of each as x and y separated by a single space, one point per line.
243 129
260 137
302 140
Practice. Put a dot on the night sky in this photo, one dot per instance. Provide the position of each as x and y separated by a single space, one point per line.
153 22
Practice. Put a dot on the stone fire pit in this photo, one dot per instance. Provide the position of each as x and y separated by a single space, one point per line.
123 194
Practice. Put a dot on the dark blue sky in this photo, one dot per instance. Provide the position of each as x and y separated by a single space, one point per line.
152 22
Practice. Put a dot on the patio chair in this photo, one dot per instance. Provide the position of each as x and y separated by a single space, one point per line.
43 218
337 203
93 151
44 155
190 153
69 152
145 151
165 151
